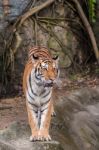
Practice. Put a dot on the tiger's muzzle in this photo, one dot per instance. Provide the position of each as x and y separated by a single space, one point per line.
49 83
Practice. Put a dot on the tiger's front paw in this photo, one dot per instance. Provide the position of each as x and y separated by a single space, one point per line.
43 136
34 136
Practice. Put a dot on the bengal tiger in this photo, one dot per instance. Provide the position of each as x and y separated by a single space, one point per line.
41 72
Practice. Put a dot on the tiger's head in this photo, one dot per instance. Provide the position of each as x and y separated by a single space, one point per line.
46 70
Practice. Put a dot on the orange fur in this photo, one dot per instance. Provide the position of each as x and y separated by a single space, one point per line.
45 131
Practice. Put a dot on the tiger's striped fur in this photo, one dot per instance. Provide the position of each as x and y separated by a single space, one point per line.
40 73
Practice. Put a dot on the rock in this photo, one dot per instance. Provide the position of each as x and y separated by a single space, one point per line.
56 36
80 114
16 137
75 127
53 145
5 146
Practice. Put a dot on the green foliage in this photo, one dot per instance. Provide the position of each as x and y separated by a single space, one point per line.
92 14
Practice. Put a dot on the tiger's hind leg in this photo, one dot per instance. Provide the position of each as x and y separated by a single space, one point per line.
32 123
43 133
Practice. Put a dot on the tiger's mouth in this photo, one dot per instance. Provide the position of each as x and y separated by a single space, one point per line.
48 84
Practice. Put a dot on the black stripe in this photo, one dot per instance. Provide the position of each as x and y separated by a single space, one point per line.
44 109
39 117
37 71
32 104
39 84
46 94
47 61
31 96
37 77
31 85
45 102
42 92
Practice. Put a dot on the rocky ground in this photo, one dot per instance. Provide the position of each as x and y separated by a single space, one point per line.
75 127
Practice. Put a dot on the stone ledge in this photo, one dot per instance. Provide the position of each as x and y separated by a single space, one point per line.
16 137
52 145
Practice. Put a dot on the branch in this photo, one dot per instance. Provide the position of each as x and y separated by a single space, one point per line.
33 11
6 7
88 28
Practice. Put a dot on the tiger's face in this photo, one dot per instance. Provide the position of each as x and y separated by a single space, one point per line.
46 71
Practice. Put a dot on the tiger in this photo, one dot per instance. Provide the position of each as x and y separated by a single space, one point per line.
40 74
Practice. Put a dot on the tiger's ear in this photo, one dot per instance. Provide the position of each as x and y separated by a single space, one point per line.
56 59
34 58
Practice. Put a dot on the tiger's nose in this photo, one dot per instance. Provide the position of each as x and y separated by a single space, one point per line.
50 81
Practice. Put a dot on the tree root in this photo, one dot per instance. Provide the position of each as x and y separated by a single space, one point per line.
32 11
88 28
